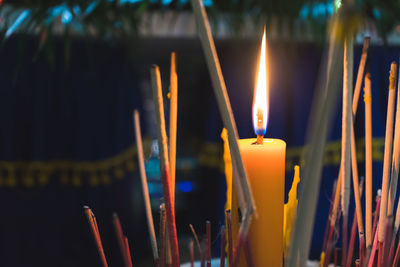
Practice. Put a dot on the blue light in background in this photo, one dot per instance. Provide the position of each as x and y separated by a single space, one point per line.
66 17
185 186
24 14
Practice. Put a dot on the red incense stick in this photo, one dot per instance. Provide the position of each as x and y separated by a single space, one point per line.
164 162
120 238
238 248
128 251
397 257
96 234
326 234
223 245
344 238
208 233
335 256
373 250
352 241
248 253
376 214
163 220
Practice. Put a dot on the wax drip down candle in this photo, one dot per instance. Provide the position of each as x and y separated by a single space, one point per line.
264 159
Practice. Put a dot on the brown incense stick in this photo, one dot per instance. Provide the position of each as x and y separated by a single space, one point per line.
230 237
191 251
165 174
368 161
396 157
120 238
208 233
163 222
196 238
143 178
241 179
387 153
128 251
173 117
95 231
223 247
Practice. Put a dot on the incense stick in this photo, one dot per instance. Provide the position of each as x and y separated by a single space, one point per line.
191 250
387 153
208 233
128 251
223 247
373 250
360 74
396 157
173 117
368 160
230 237
353 232
397 257
248 253
120 238
241 179
95 231
196 238
162 146
377 209
145 188
163 222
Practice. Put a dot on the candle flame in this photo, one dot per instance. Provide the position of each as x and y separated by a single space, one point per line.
261 98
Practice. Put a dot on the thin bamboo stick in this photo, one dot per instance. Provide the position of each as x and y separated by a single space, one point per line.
162 145
145 188
346 138
173 117
396 157
387 153
397 257
320 122
241 179
368 160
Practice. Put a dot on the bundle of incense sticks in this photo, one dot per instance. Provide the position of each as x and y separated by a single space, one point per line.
381 246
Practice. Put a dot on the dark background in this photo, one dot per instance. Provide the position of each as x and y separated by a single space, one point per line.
75 103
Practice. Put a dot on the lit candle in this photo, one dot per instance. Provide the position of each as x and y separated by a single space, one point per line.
264 159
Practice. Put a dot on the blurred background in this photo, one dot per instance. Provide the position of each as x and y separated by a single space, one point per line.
73 71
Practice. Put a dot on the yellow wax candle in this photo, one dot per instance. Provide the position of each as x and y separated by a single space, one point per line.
265 166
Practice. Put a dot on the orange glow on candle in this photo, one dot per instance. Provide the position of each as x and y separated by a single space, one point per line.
261 91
